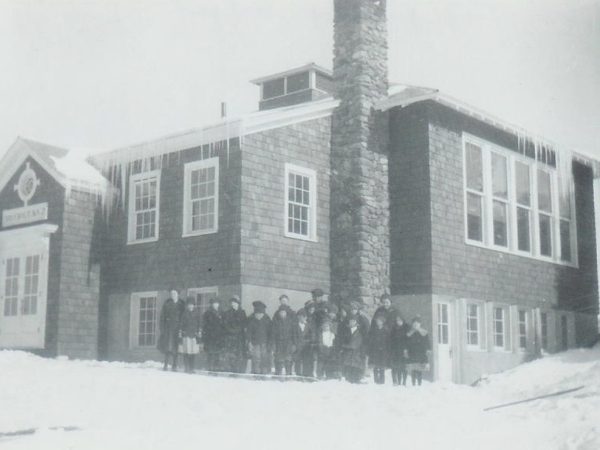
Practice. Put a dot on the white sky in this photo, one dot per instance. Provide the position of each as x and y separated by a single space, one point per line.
97 74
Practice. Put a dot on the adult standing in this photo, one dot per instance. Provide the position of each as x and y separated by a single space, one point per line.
212 334
170 315
234 325
283 341
387 311
305 336
259 339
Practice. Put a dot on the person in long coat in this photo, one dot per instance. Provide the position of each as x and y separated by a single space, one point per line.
378 349
398 351
304 339
418 350
170 314
258 333
282 337
234 327
326 350
387 311
212 335
189 335
352 351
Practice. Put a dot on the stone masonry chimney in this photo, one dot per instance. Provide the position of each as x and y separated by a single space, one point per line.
360 254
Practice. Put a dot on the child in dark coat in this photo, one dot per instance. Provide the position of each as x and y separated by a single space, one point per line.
352 351
282 336
212 334
418 347
259 339
398 351
304 342
378 349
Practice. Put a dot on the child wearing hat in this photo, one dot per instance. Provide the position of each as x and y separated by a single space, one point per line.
326 353
212 334
283 341
189 334
304 341
418 349
234 324
259 339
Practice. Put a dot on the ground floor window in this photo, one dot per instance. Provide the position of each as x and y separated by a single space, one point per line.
473 335
202 297
544 330
564 333
522 329
499 328
144 318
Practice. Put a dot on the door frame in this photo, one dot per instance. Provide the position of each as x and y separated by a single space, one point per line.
451 323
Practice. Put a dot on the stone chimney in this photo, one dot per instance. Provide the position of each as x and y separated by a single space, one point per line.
360 253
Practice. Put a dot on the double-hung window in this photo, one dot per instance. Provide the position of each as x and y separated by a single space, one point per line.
473 325
144 319
499 327
522 315
513 203
300 202
201 197
144 207
544 329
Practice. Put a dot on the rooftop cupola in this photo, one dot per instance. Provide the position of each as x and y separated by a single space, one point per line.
300 85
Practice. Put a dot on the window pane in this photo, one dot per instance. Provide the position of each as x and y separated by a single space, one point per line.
524 229
499 176
273 88
565 240
564 202
297 82
544 191
474 167
500 236
545 235
474 218
523 183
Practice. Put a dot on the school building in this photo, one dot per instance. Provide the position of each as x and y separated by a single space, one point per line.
341 180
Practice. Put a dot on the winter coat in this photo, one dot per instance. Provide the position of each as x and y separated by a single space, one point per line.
169 325
389 315
212 331
282 338
258 331
378 347
190 324
234 332
417 346
398 344
352 349
290 312
320 315
326 352
304 340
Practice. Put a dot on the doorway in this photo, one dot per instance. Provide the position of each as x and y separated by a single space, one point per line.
444 342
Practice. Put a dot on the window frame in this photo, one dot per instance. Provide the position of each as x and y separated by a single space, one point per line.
132 218
481 341
134 322
312 207
506 347
519 335
203 290
513 205
187 207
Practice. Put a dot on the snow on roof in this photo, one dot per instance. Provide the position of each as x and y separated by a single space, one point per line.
69 168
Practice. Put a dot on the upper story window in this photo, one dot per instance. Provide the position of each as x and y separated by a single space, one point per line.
144 207
201 197
513 203
300 202
285 85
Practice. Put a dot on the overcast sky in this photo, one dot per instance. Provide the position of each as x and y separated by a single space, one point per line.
98 74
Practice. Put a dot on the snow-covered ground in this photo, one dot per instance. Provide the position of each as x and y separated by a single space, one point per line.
137 406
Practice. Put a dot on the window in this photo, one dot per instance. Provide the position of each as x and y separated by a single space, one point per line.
473 325
201 197
564 333
202 297
499 328
443 324
11 287
32 275
144 205
474 175
143 319
522 329
544 330
300 203
285 85
513 204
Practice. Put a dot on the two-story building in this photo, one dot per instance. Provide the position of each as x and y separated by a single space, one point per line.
339 181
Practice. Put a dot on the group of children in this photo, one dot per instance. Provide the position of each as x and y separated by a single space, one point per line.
320 340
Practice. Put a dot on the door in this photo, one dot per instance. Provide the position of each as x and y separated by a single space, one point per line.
23 280
444 342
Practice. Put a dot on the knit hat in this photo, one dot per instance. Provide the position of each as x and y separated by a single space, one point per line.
259 306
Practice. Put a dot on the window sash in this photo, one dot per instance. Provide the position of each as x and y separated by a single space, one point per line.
522 329
201 197
473 325
300 202
144 205
499 328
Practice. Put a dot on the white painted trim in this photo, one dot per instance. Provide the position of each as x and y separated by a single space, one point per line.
488 149
312 210
506 328
187 219
134 319
481 346
131 219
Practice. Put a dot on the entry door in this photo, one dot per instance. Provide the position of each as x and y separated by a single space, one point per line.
23 280
444 342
